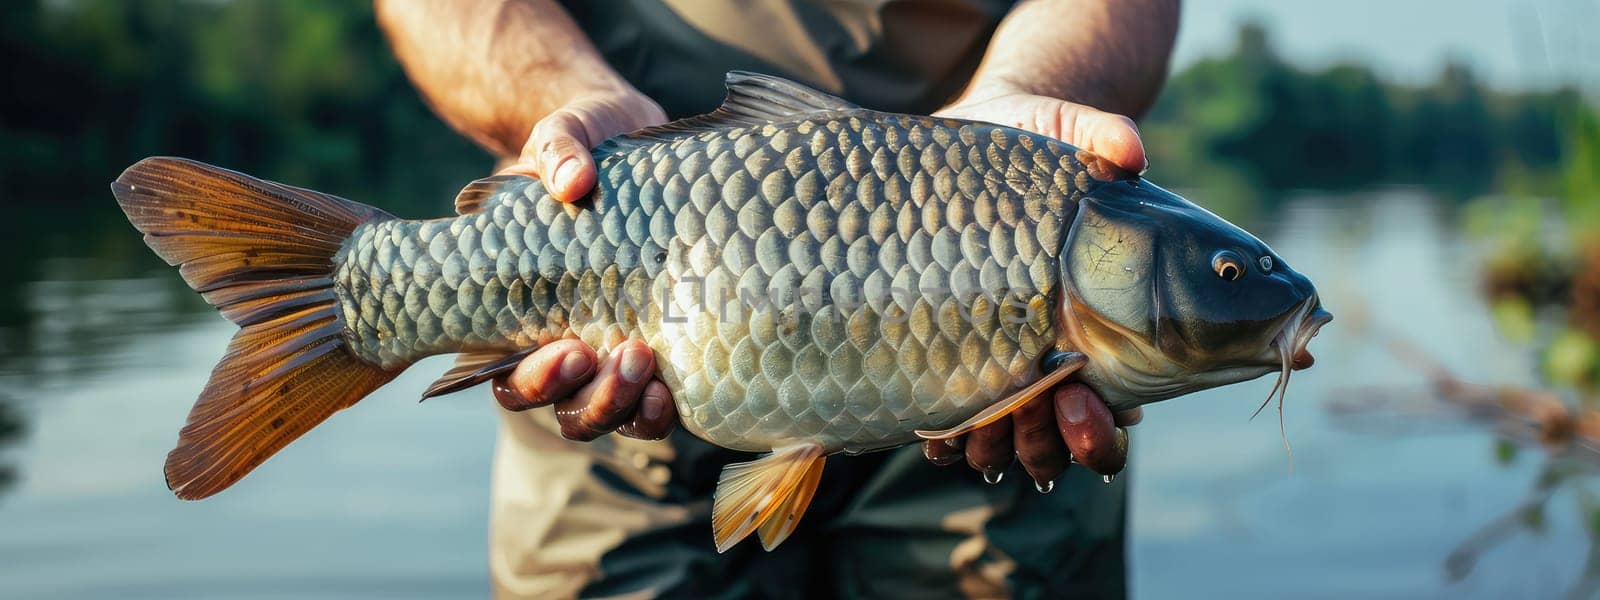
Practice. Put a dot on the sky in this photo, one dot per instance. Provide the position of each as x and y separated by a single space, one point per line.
1511 43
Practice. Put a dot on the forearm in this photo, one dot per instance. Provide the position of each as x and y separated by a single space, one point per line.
494 68
1109 54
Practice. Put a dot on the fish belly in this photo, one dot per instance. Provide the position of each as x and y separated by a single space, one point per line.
843 280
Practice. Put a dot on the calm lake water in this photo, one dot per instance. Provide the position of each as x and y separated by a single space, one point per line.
390 499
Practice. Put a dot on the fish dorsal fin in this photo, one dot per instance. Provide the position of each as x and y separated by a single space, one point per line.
764 98
1069 365
473 368
473 197
753 99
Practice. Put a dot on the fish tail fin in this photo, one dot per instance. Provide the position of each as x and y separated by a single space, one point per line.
261 253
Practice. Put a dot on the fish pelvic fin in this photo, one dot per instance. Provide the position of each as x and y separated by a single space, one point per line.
768 494
1069 365
473 368
262 254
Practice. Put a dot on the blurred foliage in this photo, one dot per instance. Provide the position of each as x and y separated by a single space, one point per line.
1278 126
295 90
1545 258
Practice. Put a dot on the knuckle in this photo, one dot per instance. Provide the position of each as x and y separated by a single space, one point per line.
1033 421
1040 456
607 410
509 399
1035 428
612 412
536 395
565 144
578 432
986 458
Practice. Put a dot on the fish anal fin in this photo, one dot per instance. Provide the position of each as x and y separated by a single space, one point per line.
473 368
1069 365
777 527
776 487
476 195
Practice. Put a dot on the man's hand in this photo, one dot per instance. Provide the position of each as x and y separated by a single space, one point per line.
558 150
618 395
1110 136
1074 425
591 398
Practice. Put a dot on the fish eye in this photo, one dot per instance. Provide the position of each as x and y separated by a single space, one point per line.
1266 264
1227 265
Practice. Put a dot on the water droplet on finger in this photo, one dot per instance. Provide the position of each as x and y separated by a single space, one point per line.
993 477
1108 478
1044 487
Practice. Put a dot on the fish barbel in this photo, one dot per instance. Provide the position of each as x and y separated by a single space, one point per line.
814 277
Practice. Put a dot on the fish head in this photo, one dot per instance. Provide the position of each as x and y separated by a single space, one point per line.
1167 298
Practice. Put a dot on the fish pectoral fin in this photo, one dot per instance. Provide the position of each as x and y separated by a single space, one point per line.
473 368
472 198
770 493
1069 365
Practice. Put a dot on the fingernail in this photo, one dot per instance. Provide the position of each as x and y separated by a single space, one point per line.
575 366
653 407
635 365
1075 409
1122 441
565 172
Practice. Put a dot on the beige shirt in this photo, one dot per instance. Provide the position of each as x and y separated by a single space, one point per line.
908 56
553 517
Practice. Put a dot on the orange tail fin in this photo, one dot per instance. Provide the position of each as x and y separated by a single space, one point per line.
262 253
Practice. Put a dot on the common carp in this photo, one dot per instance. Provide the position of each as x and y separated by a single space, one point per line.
815 278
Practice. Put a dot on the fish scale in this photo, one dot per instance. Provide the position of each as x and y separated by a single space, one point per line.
846 278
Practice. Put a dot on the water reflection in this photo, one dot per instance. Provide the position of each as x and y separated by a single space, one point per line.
1528 518
11 430
1567 441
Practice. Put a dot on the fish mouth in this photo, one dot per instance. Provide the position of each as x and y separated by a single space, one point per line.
1290 344
1300 357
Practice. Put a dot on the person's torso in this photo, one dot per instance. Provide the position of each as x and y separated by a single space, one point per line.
908 56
